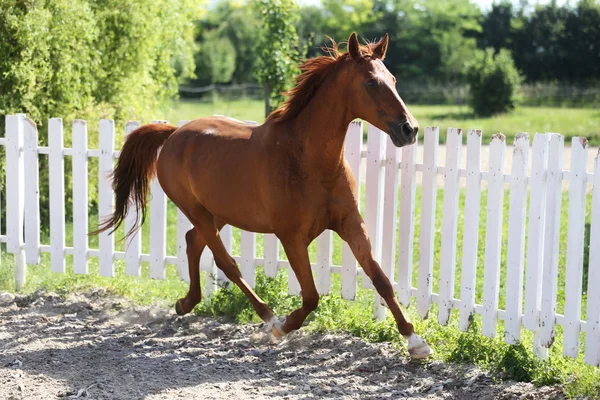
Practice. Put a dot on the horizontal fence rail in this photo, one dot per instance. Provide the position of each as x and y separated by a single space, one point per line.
523 264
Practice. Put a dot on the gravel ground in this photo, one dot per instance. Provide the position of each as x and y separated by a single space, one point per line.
97 346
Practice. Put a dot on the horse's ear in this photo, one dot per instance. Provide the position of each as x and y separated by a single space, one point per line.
380 48
353 47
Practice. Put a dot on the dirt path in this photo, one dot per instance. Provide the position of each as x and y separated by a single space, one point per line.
100 347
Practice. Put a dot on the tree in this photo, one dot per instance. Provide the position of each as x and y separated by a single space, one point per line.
429 39
216 60
233 26
91 59
494 82
277 48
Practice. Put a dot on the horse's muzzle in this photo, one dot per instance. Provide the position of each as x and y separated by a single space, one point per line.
403 133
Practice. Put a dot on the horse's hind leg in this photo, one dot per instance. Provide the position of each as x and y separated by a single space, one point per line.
207 229
228 265
194 246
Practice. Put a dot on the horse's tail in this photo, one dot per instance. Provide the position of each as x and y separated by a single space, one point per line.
135 168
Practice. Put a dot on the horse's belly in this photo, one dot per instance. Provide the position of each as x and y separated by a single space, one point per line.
234 198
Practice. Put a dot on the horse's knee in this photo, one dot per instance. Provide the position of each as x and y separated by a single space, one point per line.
310 303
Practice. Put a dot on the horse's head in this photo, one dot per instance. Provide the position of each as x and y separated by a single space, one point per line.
373 95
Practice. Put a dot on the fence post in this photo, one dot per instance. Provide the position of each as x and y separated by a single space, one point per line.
15 193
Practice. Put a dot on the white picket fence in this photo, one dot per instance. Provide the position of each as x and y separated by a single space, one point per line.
531 293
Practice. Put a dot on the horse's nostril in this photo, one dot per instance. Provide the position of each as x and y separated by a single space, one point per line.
408 129
415 129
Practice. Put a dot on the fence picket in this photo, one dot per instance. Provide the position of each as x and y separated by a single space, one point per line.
183 226
575 243
471 228
374 192
271 254
592 337
207 264
57 194
407 222
158 227
449 224
226 234
427 236
79 138
516 239
352 151
551 241
493 235
15 194
248 251
32 192
324 255
106 243
133 247
390 207
535 230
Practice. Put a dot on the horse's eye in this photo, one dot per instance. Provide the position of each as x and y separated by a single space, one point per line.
371 83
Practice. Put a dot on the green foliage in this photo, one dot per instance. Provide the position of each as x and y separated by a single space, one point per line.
277 48
550 42
494 82
215 62
233 26
91 59
232 303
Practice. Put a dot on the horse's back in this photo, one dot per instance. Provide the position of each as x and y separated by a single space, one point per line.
219 163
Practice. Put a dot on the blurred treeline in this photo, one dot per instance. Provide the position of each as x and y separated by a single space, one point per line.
556 48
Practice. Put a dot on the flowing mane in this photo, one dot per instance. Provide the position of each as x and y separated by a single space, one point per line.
314 72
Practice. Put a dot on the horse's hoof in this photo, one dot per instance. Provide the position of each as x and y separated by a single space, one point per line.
275 325
178 308
417 347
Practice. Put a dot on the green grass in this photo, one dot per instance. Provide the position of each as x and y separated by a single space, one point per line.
569 122
355 317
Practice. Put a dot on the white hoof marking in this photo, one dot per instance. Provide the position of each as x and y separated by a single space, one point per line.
275 326
417 347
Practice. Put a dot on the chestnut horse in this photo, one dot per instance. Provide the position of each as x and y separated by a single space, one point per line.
287 176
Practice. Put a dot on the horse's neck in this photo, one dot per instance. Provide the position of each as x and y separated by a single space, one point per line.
321 126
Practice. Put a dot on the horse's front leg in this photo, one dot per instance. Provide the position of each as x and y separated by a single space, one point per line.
297 254
353 230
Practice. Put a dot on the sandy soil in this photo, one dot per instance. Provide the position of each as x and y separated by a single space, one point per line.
97 346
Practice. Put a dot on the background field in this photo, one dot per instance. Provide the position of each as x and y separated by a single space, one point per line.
569 122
